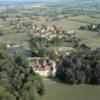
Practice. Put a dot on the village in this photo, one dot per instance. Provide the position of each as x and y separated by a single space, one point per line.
49 49
46 66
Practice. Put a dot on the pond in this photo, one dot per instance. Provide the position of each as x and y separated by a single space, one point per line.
24 51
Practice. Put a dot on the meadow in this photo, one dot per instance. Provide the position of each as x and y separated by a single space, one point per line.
90 38
59 91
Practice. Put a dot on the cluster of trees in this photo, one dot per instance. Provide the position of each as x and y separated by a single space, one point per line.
44 47
91 27
80 67
38 47
17 80
41 47
4 17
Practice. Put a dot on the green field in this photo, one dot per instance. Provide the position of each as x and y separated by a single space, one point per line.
86 19
59 91
89 38
92 39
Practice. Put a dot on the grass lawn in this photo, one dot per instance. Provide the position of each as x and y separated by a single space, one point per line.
59 91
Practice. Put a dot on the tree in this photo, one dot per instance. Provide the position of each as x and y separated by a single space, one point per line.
18 79
5 95
1 33
80 67
38 46
52 54
95 75
65 71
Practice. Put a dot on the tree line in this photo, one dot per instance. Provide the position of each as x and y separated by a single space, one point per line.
80 67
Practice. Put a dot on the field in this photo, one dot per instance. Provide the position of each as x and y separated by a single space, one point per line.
92 39
58 91
39 13
86 19
64 17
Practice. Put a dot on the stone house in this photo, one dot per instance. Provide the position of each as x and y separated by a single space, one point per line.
44 67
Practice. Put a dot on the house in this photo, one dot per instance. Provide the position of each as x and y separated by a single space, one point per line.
60 36
70 32
36 34
51 28
44 67
9 44
43 31
52 36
